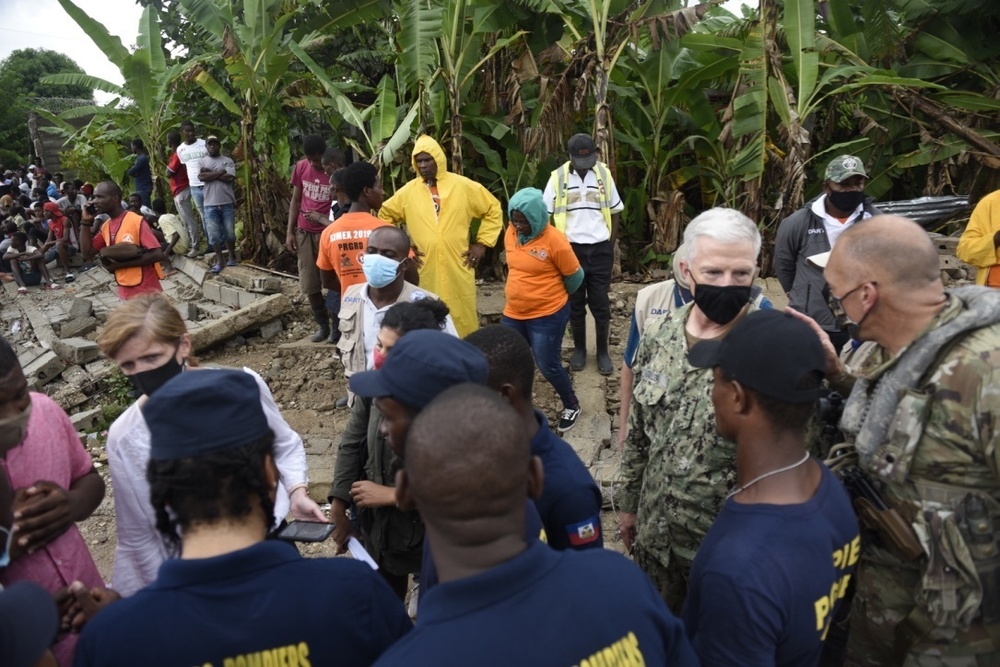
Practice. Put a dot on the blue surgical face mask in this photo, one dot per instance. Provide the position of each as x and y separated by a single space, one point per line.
380 270
6 541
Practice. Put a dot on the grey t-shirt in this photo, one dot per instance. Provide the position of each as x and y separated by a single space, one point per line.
218 192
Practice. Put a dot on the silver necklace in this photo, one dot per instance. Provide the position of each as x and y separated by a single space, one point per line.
767 474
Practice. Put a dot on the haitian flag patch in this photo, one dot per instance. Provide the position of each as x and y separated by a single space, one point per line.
585 532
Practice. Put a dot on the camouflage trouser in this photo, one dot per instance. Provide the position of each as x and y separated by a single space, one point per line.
671 581
883 597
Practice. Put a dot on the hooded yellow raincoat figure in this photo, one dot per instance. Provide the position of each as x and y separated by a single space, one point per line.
443 236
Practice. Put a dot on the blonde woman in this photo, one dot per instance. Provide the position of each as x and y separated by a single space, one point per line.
147 339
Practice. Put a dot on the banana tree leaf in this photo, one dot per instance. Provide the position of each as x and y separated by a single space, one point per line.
853 147
217 92
148 41
110 45
969 101
64 128
940 49
74 79
800 31
697 41
400 136
384 112
341 101
421 26
842 19
141 84
208 15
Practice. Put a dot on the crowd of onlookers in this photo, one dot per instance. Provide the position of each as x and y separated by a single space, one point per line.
738 498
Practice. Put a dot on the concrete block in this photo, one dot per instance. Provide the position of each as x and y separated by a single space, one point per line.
78 327
44 369
212 289
188 310
25 358
239 321
193 269
212 310
269 330
84 421
77 350
81 308
246 298
99 368
230 296
265 285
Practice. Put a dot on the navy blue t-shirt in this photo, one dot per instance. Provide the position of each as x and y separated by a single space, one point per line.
767 579
546 607
533 531
570 506
261 605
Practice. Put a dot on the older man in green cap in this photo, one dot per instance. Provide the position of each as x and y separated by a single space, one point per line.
813 230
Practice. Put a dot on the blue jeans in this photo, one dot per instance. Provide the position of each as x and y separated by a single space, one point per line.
544 335
220 221
198 195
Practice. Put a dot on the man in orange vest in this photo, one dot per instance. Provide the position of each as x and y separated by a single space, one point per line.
134 276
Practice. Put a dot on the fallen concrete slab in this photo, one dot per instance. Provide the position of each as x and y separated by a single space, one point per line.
239 321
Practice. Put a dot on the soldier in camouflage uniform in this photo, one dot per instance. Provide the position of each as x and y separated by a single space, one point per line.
922 416
676 468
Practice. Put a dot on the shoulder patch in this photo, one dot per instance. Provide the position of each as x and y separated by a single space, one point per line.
584 532
417 295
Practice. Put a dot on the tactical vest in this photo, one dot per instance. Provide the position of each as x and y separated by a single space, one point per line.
560 207
958 527
129 231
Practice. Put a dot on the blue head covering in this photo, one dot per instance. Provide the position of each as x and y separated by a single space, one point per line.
529 202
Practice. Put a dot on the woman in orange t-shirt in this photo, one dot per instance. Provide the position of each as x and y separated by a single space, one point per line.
544 271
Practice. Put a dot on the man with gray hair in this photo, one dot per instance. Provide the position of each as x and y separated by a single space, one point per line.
676 468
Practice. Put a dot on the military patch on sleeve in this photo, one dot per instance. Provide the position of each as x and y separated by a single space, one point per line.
585 532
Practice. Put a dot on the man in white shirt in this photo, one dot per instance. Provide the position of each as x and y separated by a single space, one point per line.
584 204
190 152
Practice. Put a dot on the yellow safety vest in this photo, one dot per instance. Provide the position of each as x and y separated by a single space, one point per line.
560 208
128 231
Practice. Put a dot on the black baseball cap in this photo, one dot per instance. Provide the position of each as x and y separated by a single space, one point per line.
422 365
768 351
582 151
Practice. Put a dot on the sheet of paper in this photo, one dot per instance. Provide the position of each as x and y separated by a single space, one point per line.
358 552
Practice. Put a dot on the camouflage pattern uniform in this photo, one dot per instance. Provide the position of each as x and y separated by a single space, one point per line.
956 452
676 468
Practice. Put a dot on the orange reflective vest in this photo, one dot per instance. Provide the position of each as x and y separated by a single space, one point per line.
129 231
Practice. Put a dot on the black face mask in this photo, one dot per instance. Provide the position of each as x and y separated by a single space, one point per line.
847 201
147 382
720 304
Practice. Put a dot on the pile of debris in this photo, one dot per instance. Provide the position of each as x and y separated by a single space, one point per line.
54 332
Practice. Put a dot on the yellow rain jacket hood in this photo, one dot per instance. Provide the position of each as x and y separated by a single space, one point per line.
443 236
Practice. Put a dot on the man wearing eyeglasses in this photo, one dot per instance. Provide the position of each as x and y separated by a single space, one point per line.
922 416
814 229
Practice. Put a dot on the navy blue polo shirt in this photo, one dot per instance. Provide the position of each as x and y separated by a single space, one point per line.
546 607
570 506
767 580
261 605
533 532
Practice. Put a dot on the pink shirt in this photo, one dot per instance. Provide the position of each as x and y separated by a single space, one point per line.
317 194
51 451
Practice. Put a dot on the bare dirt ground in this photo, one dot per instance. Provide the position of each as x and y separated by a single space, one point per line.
306 379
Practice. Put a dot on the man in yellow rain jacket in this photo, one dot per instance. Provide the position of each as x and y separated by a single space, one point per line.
437 208
980 242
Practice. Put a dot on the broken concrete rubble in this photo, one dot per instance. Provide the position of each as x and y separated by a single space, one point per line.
54 333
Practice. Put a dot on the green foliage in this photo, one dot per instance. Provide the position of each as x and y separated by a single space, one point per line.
21 79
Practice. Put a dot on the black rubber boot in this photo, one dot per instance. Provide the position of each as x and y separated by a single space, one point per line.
334 335
603 358
323 320
579 358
